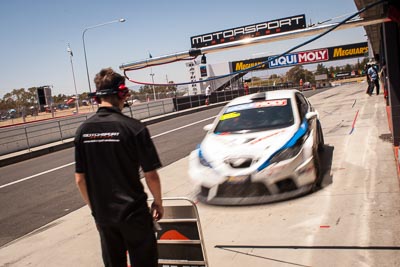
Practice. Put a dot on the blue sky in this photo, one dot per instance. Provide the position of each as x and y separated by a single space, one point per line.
35 33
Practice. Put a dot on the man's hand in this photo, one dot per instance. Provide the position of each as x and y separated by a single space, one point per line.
157 211
153 182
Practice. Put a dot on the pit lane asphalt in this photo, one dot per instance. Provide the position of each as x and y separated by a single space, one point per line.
33 203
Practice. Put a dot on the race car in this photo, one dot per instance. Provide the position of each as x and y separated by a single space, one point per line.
260 148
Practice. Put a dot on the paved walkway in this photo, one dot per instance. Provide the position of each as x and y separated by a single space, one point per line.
352 221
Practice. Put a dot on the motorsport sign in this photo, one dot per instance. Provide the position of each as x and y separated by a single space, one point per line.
249 31
304 57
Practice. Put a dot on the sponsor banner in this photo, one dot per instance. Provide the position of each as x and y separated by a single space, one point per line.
203 71
304 57
321 77
348 51
249 31
283 61
249 63
313 56
342 74
268 103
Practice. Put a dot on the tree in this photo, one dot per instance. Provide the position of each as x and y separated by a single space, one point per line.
20 97
331 71
84 96
145 89
32 96
148 89
298 72
7 102
171 88
60 99
321 69
348 68
295 74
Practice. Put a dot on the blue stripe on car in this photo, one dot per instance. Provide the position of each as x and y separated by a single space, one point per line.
297 135
201 157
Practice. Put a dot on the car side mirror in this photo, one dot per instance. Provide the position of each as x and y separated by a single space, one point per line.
207 127
311 115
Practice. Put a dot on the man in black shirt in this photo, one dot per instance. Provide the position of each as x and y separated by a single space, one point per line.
109 150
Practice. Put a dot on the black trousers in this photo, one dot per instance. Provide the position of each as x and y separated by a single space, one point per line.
136 236
371 86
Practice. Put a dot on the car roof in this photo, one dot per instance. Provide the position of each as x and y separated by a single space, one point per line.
268 95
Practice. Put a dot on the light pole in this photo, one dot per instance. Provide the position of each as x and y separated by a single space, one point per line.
84 48
73 76
152 78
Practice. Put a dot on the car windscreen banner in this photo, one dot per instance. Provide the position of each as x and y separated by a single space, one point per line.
303 57
249 31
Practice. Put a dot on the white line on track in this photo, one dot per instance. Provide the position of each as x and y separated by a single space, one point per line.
176 129
71 163
36 175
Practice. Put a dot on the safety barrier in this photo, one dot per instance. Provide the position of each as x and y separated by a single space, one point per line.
30 135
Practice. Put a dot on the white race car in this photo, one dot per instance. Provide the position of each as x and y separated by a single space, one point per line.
261 148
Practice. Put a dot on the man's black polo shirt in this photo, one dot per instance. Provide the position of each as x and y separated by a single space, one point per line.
109 149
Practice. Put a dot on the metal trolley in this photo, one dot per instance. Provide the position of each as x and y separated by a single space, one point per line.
179 238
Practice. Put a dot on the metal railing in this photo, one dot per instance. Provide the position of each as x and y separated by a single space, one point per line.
26 137
31 135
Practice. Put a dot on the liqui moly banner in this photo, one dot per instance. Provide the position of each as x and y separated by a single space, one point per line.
305 57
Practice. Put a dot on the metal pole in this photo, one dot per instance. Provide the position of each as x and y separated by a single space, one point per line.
130 109
73 76
84 52
176 101
84 47
27 139
61 135
152 78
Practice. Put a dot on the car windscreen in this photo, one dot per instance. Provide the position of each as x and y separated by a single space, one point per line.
256 116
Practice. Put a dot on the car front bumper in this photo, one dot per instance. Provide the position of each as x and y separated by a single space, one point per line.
279 181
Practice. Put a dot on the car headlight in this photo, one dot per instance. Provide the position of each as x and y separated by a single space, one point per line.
202 160
291 148
294 149
287 153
